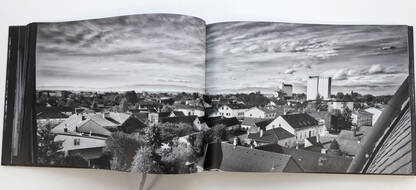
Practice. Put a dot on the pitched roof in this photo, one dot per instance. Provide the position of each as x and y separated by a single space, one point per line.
212 121
164 114
112 121
183 106
244 159
90 126
263 124
251 121
393 152
312 161
270 135
183 119
238 106
300 120
46 115
178 113
278 110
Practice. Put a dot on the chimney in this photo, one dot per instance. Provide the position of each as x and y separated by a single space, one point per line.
106 114
318 138
261 132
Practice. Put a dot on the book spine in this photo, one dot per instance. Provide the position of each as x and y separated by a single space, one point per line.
19 128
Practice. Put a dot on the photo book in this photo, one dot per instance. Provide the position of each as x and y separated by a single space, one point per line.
172 94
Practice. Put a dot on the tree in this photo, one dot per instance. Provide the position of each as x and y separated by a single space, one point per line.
123 148
176 158
145 162
48 149
123 107
131 97
217 134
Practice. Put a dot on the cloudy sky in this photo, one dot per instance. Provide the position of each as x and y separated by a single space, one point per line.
249 56
160 52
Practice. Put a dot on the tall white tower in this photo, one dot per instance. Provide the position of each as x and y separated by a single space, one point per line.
318 87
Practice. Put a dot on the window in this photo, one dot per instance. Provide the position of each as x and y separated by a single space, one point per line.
77 142
280 125
251 114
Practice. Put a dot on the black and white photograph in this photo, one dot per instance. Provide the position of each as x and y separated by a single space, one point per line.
309 98
122 93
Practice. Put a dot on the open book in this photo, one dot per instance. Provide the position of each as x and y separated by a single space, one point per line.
169 94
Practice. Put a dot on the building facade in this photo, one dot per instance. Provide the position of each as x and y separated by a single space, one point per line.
318 87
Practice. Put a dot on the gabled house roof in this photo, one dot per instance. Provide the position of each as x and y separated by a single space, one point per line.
300 120
94 122
178 113
244 159
251 121
312 161
271 136
237 106
46 115
263 124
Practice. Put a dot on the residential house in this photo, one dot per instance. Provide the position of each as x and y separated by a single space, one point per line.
362 118
376 113
273 136
263 112
232 110
189 110
340 105
301 125
249 124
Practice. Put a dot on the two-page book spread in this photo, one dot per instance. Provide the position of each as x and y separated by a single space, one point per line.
171 94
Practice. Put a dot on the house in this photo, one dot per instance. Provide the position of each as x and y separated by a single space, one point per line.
190 120
249 124
100 124
176 114
91 148
273 136
189 110
53 117
362 118
301 125
228 157
232 110
263 112
376 113
312 161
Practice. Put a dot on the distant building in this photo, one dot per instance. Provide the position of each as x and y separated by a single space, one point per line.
318 87
285 91
376 113
229 123
340 105
362 118
189 110
263 112
232 110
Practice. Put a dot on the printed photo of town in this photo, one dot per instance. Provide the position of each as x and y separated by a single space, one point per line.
122 93
308 98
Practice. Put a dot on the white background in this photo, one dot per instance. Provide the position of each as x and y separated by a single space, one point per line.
19 12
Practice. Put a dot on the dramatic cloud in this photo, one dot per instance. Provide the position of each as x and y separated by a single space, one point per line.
260 55
121 53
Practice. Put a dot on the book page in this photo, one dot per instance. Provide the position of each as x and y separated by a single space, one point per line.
121 93
309 98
